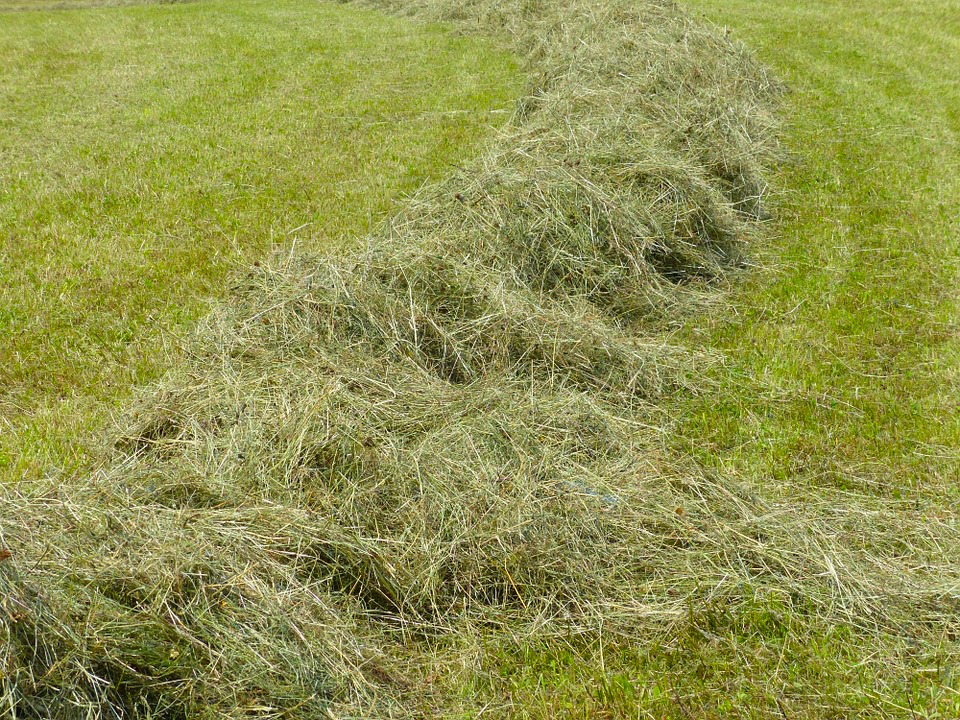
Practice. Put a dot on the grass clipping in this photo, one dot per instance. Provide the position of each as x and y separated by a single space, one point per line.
452 434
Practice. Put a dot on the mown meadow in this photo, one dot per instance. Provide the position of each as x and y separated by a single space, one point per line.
838 384
643 405
148 152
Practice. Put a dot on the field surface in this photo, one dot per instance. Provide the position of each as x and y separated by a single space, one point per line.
839 382
147 152
439 478
843 349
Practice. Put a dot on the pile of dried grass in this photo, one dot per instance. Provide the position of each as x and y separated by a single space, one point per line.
449 434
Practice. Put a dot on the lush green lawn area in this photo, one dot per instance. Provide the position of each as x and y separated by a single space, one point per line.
839 378
146 152
842 351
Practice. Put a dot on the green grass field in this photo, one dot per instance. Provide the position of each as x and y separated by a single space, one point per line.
148 152
843 349
839 381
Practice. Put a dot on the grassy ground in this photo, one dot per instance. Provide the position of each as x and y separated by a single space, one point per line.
368 463
837 393
145 151
842 351
839 380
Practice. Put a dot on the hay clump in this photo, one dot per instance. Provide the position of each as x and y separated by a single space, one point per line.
453 432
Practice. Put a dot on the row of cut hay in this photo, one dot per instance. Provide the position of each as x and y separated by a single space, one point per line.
452 433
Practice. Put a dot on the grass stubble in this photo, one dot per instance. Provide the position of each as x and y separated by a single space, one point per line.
378 479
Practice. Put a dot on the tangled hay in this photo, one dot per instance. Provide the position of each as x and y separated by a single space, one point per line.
453 431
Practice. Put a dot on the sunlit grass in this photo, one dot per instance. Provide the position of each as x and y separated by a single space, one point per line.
837 385
147 151
838 382
842 350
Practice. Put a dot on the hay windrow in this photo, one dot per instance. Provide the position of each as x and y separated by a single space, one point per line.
455 430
